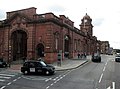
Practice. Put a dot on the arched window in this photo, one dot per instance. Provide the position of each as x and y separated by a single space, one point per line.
56 43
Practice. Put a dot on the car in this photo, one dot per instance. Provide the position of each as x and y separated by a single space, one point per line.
117 58
2 63
41 67
96 57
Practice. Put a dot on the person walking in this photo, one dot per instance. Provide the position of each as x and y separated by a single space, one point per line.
78 55
59 59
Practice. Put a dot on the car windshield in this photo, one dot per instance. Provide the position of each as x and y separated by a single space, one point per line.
43 63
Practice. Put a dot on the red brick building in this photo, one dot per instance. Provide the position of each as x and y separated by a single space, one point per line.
105 46
24 33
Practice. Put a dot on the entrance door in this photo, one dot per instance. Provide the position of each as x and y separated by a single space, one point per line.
66 46
19 44
40 50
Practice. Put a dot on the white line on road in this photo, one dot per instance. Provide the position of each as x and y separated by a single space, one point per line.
18 77
112 87
100 77
5 77
2 87
113 83
104 68
14 80
47 87
1 80
9 83
105 63
51 84
55 78
10 75
48 79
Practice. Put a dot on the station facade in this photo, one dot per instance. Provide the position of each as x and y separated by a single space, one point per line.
24 33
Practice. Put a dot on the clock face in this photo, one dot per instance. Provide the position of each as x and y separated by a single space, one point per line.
85 20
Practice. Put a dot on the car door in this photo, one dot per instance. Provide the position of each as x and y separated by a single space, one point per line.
38 67
32 67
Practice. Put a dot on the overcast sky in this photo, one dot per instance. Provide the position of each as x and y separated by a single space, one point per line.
105 14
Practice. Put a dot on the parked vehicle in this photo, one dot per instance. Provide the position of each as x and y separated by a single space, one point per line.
96 57
117 58
2 63
37 67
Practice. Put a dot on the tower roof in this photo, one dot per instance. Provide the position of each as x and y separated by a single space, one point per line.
86 16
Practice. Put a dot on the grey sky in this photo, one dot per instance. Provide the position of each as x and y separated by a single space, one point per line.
105 14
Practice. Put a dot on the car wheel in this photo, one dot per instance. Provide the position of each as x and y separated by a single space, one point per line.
26 72
4 65
47 72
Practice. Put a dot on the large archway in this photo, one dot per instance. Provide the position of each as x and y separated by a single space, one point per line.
19 44
40 50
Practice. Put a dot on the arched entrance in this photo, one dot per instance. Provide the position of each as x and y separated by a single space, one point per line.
19 44
66 46
40 50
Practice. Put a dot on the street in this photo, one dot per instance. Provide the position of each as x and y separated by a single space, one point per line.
104 75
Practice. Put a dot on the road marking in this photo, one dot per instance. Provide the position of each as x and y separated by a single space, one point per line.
113 86
113 83
109 87
51 84
33 78
104 68
15 80
55 82
55 78
18 77
1 80
100 77
48 79
2 87
47 87
5 77
105 63
9 83
10 75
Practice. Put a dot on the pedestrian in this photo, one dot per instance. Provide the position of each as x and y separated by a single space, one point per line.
24 58
78 55
59 59
85 55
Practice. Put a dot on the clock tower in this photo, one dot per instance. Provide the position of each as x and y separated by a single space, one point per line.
86 25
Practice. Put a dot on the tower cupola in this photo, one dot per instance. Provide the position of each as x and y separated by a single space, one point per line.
86 25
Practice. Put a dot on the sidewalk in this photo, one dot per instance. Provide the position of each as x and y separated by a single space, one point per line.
66 64
71 63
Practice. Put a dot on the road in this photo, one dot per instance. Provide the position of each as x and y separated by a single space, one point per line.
104 75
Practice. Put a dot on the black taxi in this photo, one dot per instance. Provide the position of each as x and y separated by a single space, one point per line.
37 67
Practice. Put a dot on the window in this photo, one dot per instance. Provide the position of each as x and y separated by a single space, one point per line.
32 64
75 47
43 64
56 43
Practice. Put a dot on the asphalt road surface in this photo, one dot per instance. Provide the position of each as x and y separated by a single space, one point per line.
104 75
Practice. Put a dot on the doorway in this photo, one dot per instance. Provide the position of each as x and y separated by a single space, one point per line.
19 44
40 50
66 46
